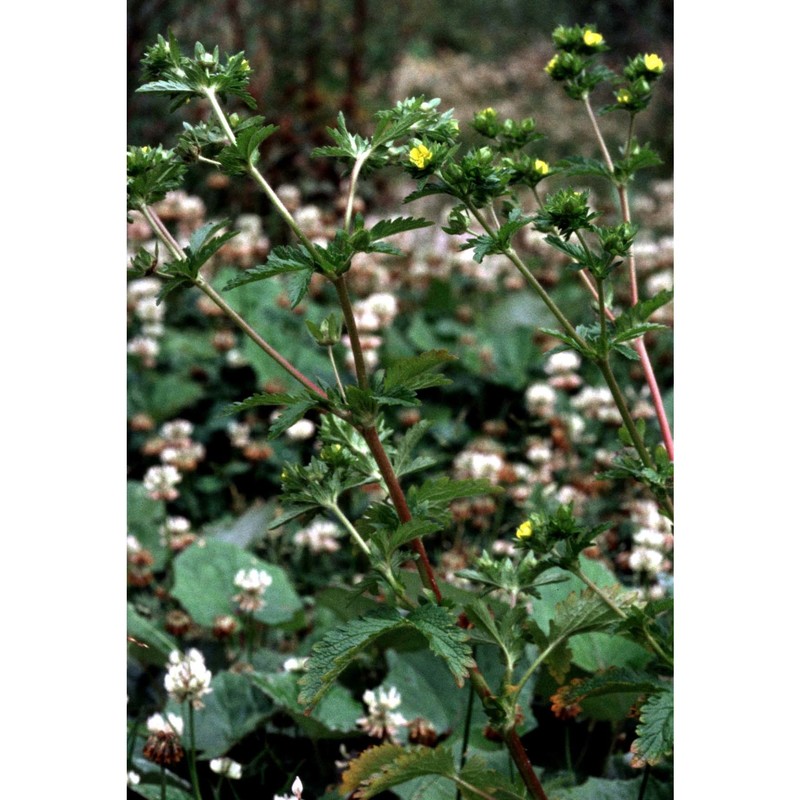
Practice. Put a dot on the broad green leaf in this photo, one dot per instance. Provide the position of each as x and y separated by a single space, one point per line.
232 710
146 642
204 584
145 516
655 728
603 789
336 714
151 791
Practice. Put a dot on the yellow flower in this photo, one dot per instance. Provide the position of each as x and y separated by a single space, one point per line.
592 38
541 167
624 96
551 64
420 156
525 531
653 63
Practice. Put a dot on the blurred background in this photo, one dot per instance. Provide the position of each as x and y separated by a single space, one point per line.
312 58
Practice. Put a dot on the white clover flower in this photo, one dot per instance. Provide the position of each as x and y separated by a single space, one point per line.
382 721
643 559
538 452
160 482
297 787
177 431
562 362
540 399
226 767
295 664
239 433
319 537
134 545
301 430
172 724
647 537
146 348
141 288
253 583
149 310
133 778
187 677
474 464
235 358
502 547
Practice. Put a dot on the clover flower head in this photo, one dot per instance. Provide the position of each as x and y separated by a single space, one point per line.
540 399
253 583
297 791
319 537
653 63
420 156
301 430
592 38
382 721
524 531
187 677
173 723
160 482
163 745
226 767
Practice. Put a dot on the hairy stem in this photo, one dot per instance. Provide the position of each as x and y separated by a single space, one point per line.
655 391
579 573
352 331
398 497
204 286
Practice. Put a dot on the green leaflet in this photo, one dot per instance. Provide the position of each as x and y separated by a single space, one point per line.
655 729
336 650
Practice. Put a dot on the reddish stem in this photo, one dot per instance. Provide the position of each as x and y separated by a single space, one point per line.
401 506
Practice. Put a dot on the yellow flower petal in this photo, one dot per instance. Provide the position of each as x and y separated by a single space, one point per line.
592 38
420 156
525 531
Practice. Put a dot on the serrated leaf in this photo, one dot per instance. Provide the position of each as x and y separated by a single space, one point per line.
389 227
579 165
416 372
290 415
331 655
368 763
405 766
444 490
282 259
261 399
612 681
445 638
655 728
